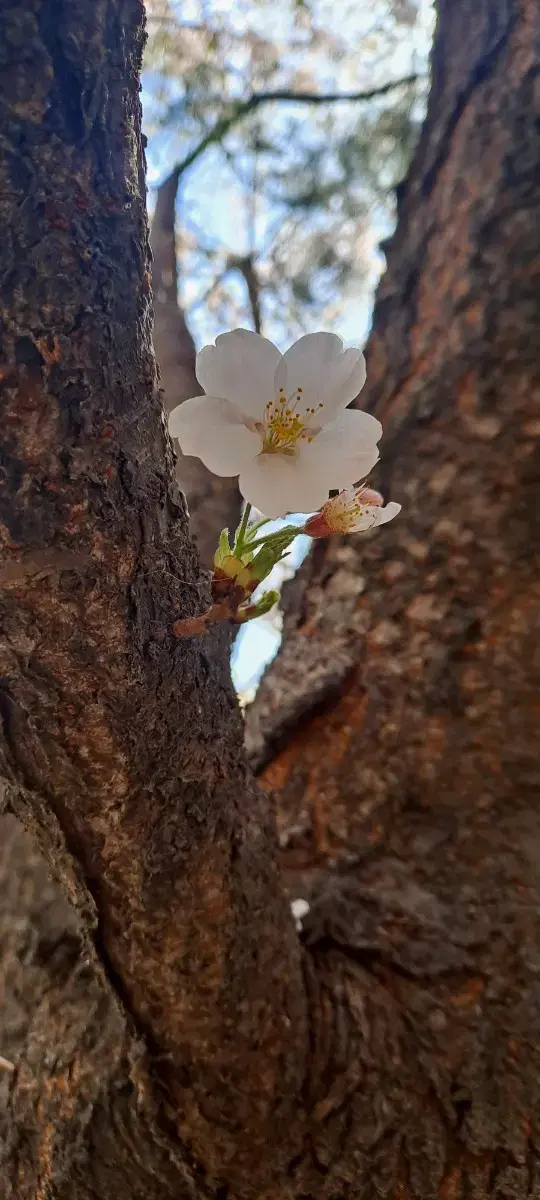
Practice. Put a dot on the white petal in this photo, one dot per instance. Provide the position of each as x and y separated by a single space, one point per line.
210 428
240 367
373 516
367 520
388 513
280 483
345 451
328 375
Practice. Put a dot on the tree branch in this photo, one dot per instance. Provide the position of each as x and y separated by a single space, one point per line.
246 267
241 108
213 502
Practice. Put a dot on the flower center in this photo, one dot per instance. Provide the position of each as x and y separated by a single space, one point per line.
285 423
343 513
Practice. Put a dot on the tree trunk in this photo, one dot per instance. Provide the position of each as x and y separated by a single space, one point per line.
121 746
186 1051
400 723
213 502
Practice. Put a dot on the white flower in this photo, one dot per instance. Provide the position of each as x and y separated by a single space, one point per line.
299 909
353 511
279 421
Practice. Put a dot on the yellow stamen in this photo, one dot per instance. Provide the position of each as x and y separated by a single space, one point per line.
283 428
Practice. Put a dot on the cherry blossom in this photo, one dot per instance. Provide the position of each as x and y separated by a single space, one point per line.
354 510
280 421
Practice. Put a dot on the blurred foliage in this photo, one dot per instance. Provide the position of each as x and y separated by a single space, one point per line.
284 198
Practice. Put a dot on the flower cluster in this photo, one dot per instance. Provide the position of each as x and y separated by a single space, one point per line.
281 422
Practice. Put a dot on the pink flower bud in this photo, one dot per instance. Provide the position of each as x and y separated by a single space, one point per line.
370 496
317 526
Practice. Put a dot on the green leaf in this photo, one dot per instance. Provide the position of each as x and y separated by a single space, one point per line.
263 605
224 548
273 552
266 602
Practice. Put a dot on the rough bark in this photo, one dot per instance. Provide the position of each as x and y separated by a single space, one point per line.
121 746
399 724
213 502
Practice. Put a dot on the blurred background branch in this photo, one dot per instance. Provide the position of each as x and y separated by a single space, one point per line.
243 108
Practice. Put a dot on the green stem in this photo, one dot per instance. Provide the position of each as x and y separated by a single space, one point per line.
257 525
240 532
276 537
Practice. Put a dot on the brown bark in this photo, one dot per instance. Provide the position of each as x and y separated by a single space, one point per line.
213 502
121 746
398 726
